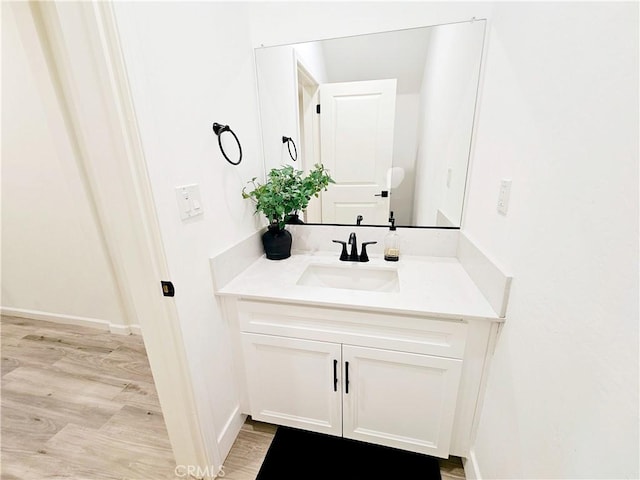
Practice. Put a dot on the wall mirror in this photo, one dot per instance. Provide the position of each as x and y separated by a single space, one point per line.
389 114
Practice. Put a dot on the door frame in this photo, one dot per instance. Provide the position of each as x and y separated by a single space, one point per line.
81 44
307 84
308 124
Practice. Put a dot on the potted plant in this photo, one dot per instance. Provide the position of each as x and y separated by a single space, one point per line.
286 192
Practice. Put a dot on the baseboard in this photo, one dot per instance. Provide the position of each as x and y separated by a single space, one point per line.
470 464
135 329
125 329
230 431
71 320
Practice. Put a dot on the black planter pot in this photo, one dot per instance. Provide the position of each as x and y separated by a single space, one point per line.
277 243
293 219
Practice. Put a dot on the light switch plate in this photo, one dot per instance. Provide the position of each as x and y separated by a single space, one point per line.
503 196
189 201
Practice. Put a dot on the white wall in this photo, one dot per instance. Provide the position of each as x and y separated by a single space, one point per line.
312 56
278 95
447 99
404 155
559 116
54 262
277 23
191 64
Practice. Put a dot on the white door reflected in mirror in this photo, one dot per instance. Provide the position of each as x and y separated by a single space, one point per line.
356 138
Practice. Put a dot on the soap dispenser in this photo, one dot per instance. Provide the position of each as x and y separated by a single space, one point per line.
392 242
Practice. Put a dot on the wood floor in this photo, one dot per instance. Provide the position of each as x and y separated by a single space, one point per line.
80 403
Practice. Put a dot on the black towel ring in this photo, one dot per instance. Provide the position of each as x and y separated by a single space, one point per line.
289 141
219 130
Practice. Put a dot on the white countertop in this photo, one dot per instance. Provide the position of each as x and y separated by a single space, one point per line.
430 286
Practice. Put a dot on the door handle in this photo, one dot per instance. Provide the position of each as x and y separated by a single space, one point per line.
383 194
346 378
335 375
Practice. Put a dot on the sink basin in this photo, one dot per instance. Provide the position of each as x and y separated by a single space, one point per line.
351 277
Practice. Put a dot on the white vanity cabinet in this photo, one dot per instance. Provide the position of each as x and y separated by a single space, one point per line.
292 382
378 377
399 399
418 355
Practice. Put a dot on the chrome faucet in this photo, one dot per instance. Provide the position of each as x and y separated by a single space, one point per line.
353 256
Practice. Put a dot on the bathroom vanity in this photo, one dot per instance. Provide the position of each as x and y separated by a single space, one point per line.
392 354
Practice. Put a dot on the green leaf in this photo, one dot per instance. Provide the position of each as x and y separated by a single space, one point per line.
287 191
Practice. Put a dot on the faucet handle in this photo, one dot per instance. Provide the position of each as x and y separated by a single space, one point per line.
363 256
343 256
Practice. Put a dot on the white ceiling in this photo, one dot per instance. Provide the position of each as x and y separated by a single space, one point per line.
400 54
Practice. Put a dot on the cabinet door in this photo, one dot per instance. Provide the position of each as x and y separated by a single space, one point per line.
294 382
398 399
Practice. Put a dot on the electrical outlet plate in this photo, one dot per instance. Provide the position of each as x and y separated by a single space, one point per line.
503 196
189 201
